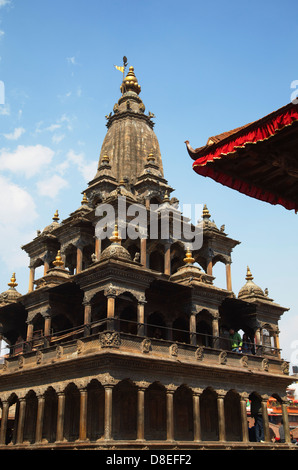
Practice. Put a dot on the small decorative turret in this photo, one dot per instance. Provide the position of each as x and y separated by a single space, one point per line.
11 295
250 289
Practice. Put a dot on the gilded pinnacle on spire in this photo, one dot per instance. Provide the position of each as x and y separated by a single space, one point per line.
84 200
249 276
206 213
151 158
188 257
58 261
115 238
56 216
130 83
12 284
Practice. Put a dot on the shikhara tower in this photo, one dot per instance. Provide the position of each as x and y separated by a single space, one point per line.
123 343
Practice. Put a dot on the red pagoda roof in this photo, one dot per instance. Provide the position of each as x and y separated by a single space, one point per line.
259 159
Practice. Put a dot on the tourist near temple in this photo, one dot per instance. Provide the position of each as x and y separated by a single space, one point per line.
123 343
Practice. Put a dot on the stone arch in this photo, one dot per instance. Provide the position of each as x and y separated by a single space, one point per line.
209 415
70 257
233 425
156 257
155 412
177 256
180 329
126 312
183 414
72 412
95 410
30 417
50 415
204 328
12 421
125 398
156 325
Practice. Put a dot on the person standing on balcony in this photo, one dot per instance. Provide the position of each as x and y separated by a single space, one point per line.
235 340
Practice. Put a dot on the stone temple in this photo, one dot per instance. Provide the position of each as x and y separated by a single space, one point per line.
123 343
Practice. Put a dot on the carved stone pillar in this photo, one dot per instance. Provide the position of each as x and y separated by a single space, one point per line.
215 331
108 411
31 279
209 266
97 248
141 317
276 343
196 415
141 413
87 317
60 416
21 420
265 419
244 425
229 277
4 418
83 414
285 418
143 250
79 259
192 329
170 413
39 419
221 416
167 262
47 325
30 329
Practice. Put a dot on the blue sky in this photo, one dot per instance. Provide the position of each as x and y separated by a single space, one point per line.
204 68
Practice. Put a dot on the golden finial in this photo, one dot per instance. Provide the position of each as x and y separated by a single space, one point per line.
84 200
151 158
166 197
115 238
130 83
188 258
249 276
105 159
58 261
56 216
12 282
206 213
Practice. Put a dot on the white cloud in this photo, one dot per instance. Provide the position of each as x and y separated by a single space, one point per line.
16 217
87 169
3 3
28 161
5 110
16 134
56 139
51 186
71 60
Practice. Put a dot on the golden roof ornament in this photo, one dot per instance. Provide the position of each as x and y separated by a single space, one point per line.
84 200
206 213
188 257
249 276
130 83
13 284
151 158
166 197
115 238
56 216
58 261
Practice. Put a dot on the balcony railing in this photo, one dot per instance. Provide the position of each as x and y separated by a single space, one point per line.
131 329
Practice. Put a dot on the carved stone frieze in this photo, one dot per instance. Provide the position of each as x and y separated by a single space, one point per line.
199 353
110 339
223 357
146 345
173 350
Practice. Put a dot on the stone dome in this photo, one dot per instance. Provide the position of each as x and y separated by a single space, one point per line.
250 289
53 225
11 295
115 250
